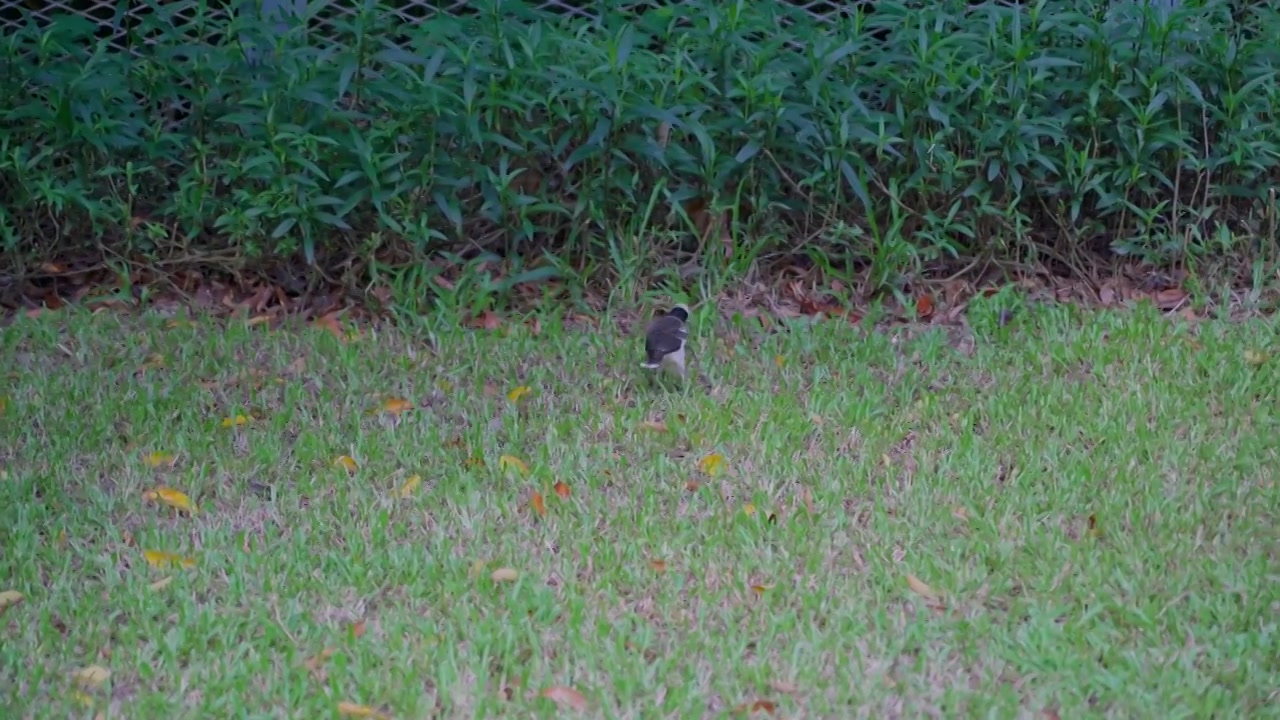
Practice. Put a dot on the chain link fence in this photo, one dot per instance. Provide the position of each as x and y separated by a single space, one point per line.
120 23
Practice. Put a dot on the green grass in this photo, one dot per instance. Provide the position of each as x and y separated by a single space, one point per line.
1093 498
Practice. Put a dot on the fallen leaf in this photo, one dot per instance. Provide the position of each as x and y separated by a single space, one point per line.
692 485
92 677
658 565
1094 530
162 559
918 587
409 486
566 697
173 498
330 322
351 709
807 496
357 629
504 575
161 584
159 459
654 425
474 461
711 464
1255 358
779 360
1170 298
236 421
346 462
959 513
749 509
315 662
518 392
511 462
537 504
765 706
924 306
82 699
759 589
487 320
784 687
9 598
396 405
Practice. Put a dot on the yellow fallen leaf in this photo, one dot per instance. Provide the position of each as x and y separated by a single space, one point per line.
353 710
504 575
92 677
173 498
162 559
760 589
653 425
236 421
9 598
346 462
511 462
161 584
477 567
1255 357
779 360
159 459
82 699
918 587
410 485
395 406
749 509
566 697
711 464
518 392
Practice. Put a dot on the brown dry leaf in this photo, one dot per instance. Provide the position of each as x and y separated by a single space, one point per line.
566 697
768 707
654 425
918 587
658 565
409 486
487 320
159 459
1094 530
958 512
711 464
1170 298
807 496
759 589
692 485
173 498
357 629
562 489
315 662
474 461
535 326
92 677
924 306
161 584
346 462
9 598
511 462
784 687
329 321
162 559
518 392
537 503
504 575
257 320
396 405
350 709
779 360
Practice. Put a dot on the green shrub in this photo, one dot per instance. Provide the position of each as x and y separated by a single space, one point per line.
921 132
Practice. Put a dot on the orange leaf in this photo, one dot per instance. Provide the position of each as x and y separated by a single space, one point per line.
486 320
357 629
658 565
765 706
918 587
537 504
353 710
319 659
566 697
759 589
924 306
562 490
330 322
395 406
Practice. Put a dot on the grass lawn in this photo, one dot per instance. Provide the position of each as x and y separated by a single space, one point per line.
1073 515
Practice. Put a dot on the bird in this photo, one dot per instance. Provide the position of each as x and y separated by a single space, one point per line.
664 341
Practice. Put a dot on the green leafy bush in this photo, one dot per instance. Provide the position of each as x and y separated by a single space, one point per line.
919 132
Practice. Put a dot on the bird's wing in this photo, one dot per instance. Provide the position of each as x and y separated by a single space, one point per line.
666 335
